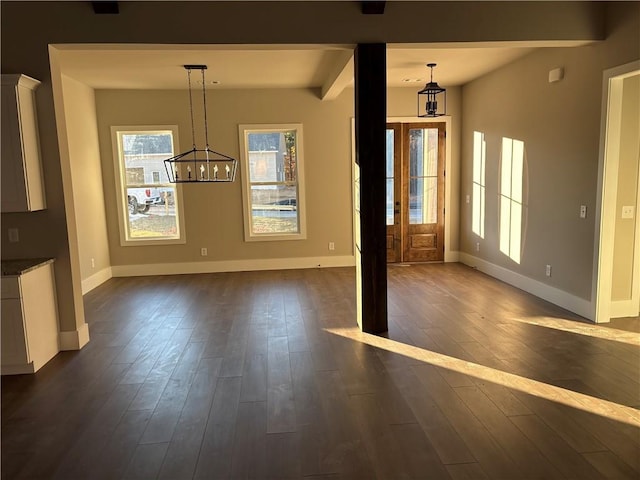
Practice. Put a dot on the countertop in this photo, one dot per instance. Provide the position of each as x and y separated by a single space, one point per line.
12 268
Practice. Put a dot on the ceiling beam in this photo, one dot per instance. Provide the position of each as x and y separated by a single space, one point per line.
339 78
105 8
374 7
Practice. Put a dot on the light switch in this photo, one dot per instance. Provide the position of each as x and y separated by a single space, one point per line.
583 211
627 211
14 237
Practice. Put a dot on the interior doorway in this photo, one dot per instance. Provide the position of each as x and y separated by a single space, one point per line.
609 212
415 179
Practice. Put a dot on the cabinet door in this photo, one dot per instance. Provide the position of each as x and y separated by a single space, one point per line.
40 313
14 343
22 182
14 182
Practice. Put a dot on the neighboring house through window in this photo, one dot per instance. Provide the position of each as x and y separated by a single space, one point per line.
149 207
273 182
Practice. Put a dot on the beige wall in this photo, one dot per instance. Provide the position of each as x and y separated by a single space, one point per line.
327 157
26 36
86 174
327 153
559 124
625 241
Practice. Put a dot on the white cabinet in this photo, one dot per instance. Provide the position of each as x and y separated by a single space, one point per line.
29 321
22 182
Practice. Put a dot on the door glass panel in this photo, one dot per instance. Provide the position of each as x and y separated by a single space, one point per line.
423 200
390 153
389 174
423 175
390 201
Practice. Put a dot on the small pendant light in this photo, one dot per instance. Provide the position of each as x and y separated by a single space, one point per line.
430 96
200 165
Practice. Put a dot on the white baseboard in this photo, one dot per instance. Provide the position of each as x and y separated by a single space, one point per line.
74 340
96 280
623 308
23 369
551 294
452 256
232 266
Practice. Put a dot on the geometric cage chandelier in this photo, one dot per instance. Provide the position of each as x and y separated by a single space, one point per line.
433 98
200 165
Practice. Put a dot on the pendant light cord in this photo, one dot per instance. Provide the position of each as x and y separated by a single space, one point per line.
193 131
204 102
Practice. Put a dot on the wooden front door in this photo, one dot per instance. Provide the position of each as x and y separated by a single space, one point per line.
415 215
394 189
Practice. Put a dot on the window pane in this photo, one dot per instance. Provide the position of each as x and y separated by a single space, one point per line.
152 213
144 154
390 201
390 153
274 188
272 156
274 209
149 201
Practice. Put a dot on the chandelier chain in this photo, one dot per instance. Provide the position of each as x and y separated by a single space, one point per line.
204 102
193 130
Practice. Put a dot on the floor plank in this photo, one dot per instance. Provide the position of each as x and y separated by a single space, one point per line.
264 375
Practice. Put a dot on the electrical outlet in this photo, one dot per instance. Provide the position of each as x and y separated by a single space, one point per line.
204 252
93 263
548 271
332 246
627 211
477 246
468 198
14 237
583 211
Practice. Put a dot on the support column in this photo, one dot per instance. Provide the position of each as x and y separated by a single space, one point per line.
370 72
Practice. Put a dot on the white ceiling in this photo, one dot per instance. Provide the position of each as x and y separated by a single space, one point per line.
273 66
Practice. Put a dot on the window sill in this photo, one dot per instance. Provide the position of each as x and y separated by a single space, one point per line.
148 242
275 237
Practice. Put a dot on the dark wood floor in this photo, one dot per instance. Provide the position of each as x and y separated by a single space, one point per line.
263 375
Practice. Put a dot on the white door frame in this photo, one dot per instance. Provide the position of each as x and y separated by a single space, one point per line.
607 191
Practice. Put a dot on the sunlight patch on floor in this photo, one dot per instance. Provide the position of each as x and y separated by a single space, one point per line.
572 326
598 406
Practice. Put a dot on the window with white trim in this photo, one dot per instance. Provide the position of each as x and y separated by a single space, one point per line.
511 180
149 207
479 157
273 182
